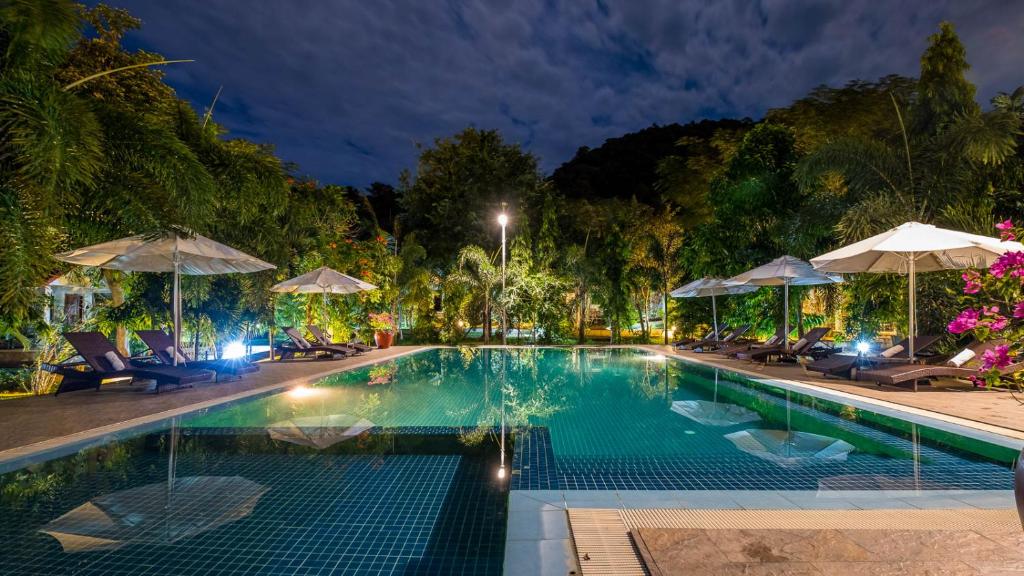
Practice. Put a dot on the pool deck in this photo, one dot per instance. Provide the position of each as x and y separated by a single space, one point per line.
40 422
989 410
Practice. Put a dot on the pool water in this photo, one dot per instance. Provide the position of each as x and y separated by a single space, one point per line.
393 468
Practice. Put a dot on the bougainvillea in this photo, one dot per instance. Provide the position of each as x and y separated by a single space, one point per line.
994 310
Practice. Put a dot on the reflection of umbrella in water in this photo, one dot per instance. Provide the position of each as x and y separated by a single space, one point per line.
319 431
148 514
714 413
791 449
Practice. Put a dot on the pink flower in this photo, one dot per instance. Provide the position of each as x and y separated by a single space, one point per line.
1011 263
966 320
1006 227
998 324
972 282
998 357
1018 310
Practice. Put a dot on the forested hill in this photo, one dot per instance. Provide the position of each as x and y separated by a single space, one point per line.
626 166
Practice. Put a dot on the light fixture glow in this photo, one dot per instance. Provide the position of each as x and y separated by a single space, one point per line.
863 347
501 472
300 392
502 219
234 350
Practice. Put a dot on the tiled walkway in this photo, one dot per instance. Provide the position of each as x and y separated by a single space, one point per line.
27 421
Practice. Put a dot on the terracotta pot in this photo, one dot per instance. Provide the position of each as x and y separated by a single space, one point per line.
384 339
1018 486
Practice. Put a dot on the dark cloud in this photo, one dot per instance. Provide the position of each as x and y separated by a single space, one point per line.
347 88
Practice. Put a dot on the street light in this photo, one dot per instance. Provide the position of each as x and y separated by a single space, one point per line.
503 221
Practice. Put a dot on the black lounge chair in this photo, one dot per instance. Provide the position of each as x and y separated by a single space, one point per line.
161 343
302 346
843 364
803 347
895 375
747 346
320 338
709 336
106 363
734 337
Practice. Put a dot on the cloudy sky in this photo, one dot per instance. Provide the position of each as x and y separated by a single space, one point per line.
347 88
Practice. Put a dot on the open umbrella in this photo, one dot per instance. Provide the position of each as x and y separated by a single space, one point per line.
784 271
193 255
324 281
710 287
914 247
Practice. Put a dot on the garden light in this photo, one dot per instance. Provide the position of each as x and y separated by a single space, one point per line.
234 350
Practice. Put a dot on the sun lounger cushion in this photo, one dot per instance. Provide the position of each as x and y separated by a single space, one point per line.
962 358
171 353
800 344
890 352
115 361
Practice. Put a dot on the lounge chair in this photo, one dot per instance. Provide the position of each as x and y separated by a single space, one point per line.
709 336
161 344
320 338
721 335
963 365
802 347
302 346
843 364
106 363
734 337
747 346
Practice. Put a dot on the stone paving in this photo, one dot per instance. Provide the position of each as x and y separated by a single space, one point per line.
842 552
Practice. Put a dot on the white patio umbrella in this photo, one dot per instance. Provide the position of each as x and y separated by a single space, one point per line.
194 255
790 449
324 281
914 247
784 271
712 287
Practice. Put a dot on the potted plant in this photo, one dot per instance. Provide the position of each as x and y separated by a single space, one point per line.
383 326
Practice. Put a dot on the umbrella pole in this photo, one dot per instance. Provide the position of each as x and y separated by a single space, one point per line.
785 314
176 311
912 321
714 314
327 327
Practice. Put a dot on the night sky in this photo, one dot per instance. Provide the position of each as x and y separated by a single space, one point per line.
347 88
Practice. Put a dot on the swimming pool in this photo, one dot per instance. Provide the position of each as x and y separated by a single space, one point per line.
393 468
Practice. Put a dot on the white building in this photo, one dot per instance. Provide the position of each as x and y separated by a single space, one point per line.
71 301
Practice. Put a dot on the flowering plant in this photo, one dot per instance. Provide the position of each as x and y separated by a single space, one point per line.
995 311
382 322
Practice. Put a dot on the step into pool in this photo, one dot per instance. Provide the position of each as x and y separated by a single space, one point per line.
396 468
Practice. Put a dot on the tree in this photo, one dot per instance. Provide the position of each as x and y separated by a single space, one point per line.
459 187
665 244
477 271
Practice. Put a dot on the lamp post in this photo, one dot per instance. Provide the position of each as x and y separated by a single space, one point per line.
503 221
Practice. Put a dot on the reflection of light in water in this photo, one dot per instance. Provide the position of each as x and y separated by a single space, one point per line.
655 358
300 392
234 350
689 432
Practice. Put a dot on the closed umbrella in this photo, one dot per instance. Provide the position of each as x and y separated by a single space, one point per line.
710 287
193 255
784 271
323 281
914 247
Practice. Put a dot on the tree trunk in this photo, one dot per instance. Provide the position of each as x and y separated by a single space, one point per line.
487 320
113 280
664 315
582 327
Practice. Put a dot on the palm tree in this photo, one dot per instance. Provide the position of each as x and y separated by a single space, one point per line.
476 269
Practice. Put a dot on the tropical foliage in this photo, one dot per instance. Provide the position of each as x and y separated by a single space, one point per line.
94 146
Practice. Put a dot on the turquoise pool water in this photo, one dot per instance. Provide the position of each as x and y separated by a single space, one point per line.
392 469
629 419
